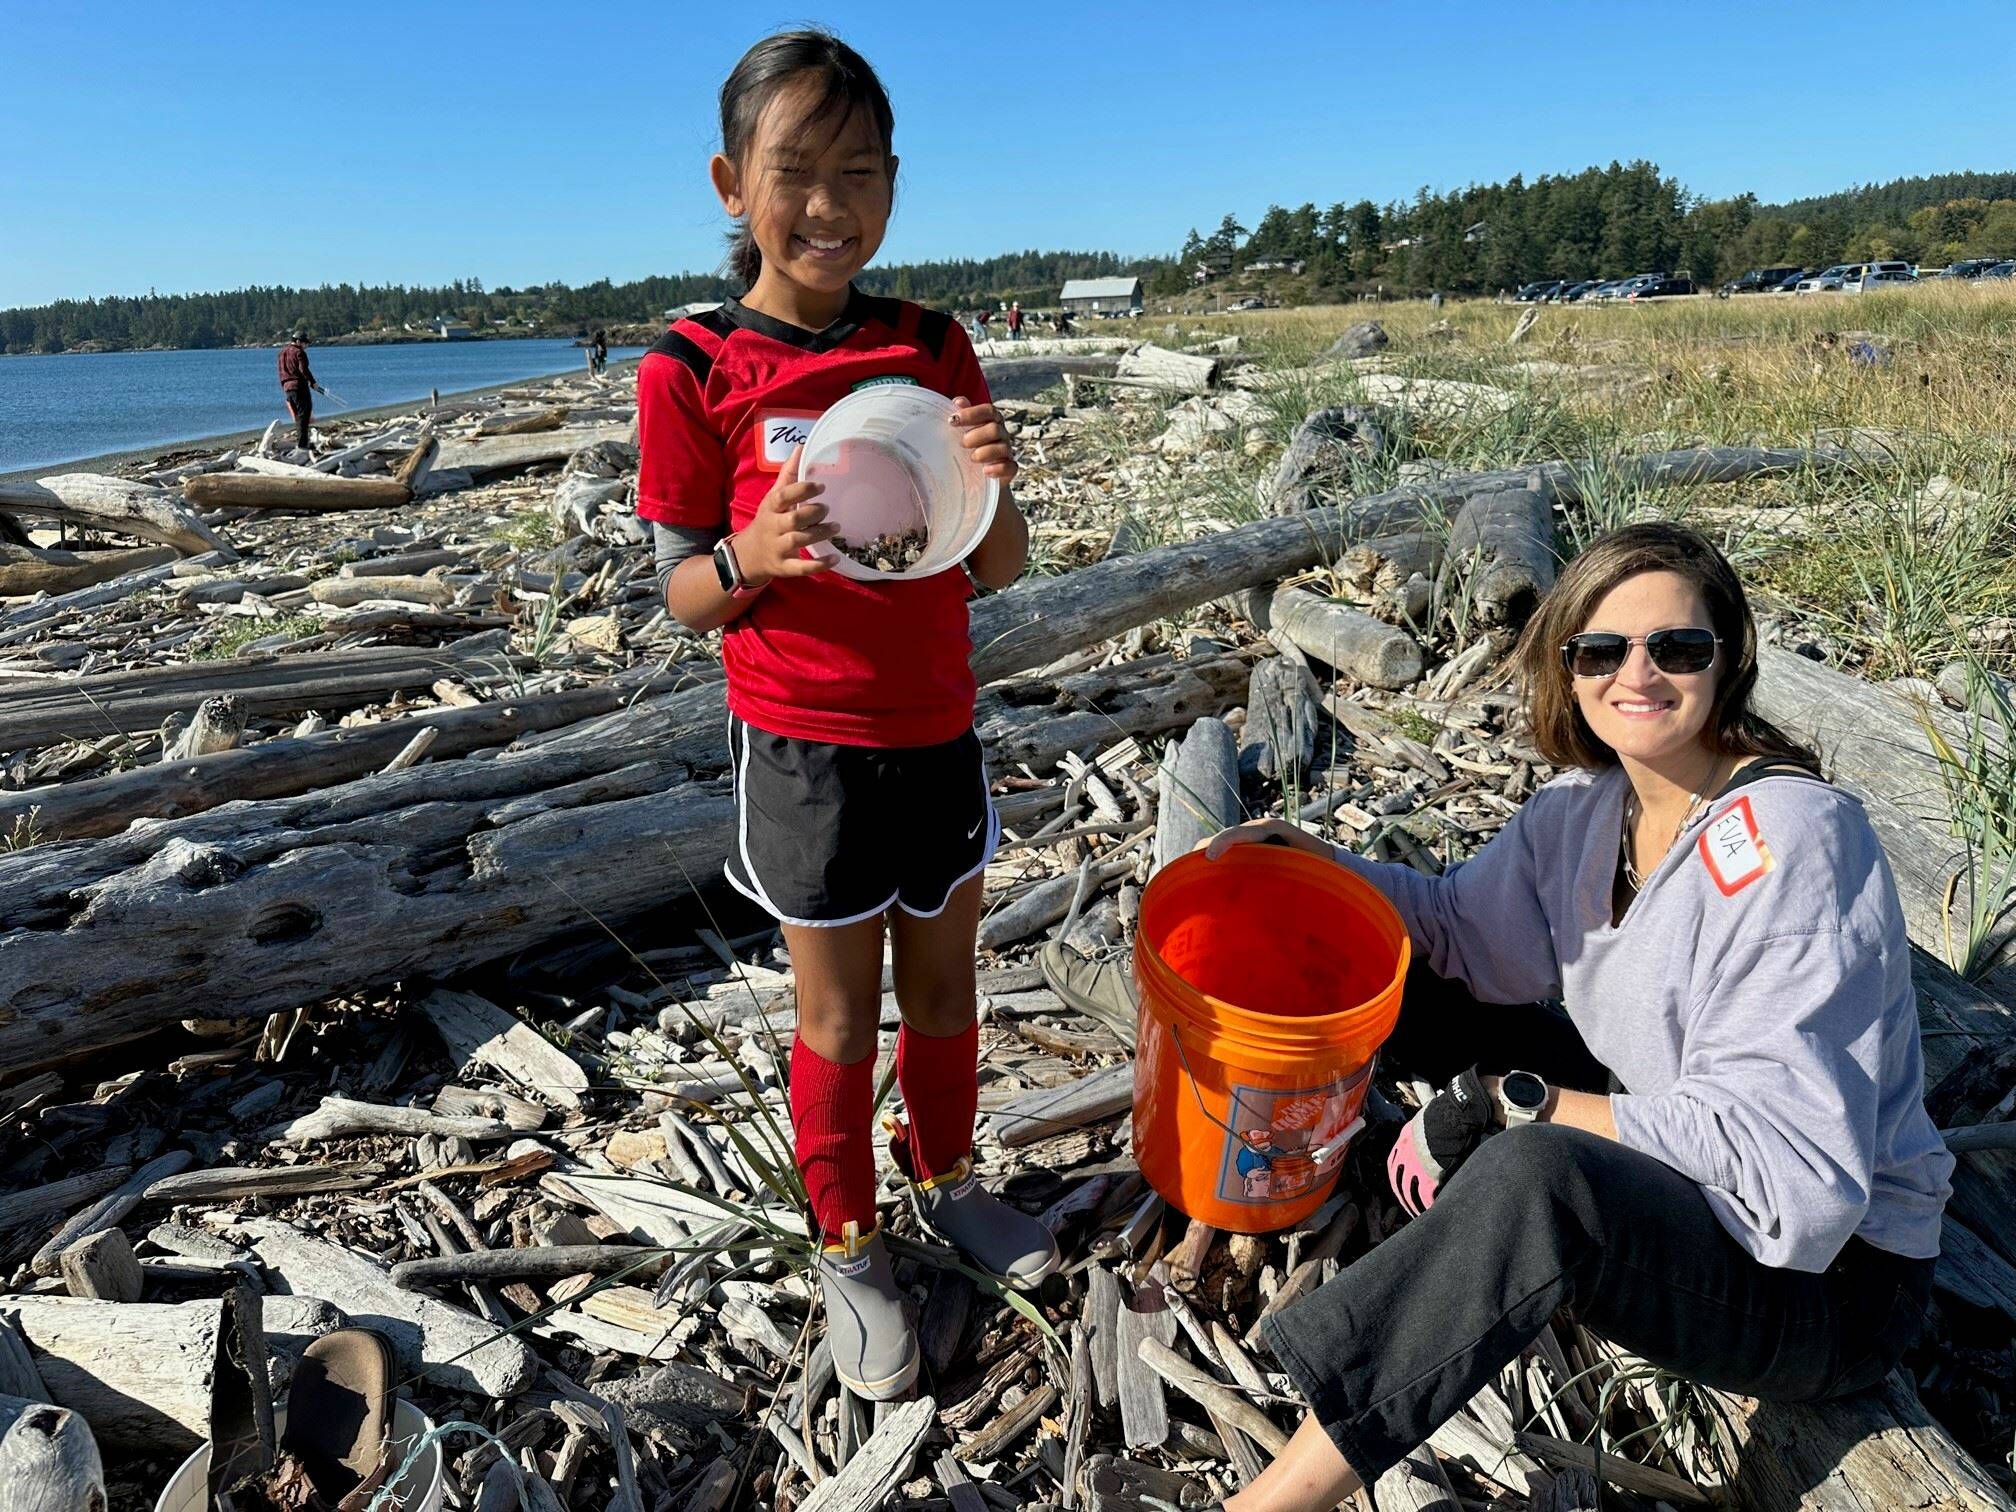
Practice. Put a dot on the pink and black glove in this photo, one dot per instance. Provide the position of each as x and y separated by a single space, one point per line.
1439 1139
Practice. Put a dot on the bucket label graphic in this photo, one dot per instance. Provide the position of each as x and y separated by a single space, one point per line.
1279 1145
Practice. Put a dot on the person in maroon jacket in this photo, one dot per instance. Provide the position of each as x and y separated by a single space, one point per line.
297 383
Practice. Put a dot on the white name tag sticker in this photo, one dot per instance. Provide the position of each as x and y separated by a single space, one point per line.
778 434
1733 850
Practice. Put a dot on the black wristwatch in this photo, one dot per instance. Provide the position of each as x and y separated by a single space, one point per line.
729 571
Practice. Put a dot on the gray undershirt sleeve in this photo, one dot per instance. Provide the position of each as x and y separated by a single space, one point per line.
673 544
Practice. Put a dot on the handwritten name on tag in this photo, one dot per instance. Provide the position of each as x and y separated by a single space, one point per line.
778 435
1733 849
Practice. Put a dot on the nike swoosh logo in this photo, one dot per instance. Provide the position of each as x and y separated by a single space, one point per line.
976 828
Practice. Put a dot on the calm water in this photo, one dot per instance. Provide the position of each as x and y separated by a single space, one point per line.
58 409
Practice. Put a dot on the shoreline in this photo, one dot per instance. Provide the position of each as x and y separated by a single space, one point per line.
107 461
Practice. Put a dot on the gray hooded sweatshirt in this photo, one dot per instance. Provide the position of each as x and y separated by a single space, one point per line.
1755 999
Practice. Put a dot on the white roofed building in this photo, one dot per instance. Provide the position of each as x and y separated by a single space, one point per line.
1096 296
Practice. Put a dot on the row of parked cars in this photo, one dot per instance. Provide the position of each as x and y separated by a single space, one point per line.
1855 277
1570 291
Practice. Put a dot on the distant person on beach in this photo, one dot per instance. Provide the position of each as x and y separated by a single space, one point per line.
1015 321
598 353
298 384
983 320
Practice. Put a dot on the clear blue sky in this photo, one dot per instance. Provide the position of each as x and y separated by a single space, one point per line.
211 146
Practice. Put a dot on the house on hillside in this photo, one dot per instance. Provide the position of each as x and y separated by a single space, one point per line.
452 330
1100 296
1276 265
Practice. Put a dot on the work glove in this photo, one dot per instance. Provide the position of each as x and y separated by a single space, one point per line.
1438 1139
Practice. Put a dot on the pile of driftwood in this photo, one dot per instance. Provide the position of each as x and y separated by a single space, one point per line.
381 974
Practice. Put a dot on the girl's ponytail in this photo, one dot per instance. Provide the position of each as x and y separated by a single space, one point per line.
846 84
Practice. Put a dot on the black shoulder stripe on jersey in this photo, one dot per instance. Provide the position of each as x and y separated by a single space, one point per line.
683 348
716 320
876 307
932 328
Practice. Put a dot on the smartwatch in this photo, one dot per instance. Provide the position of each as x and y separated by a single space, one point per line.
729 571
1522 1097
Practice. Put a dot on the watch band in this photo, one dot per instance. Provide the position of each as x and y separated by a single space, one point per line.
728 571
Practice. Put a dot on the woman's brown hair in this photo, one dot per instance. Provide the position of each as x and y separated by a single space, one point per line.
1560 733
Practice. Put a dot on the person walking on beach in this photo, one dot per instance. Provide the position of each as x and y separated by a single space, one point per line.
601 351
1015 320
297 383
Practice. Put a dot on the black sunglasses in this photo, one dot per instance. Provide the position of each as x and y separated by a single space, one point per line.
1598 653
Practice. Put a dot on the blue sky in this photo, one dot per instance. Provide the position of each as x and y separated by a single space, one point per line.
186 147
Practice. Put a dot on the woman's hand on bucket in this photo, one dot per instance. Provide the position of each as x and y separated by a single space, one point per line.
1260 831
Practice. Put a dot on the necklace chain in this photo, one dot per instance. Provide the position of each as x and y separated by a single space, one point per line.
1631 808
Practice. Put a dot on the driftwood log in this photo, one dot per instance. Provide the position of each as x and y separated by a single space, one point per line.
502 453
116 504
1198 793
1317 462
1154 367
147 1376
1361 648
317 495
35 569
1502 555
49 1461
1279 737
39 710
433 870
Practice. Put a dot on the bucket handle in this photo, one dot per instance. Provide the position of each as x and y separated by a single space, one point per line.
1321 1154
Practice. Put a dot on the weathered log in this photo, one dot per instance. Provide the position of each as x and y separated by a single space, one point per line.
1502 555
1279 736
1054 1110
867 1481
330 887
106 503
543 1263
1318 459
17 621
1879 1448
1151 366
36 711
49 1460
39 1204
1362 648
502 453
218 726
18 1375
1198 791
109 1210
524 425
1386 562
273 768
147 1376
341 1117
34 569
348 592
1214 1396
419 462
316 495
478 1032
450 1347
228 1183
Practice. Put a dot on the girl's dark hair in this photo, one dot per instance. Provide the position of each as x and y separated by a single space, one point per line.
845 82
1560 733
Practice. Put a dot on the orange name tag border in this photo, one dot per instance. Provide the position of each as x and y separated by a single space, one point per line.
1730 886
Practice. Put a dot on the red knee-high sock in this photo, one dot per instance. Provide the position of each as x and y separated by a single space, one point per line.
831 1105
940 1078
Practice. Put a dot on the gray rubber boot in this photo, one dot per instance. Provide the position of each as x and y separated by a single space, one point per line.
875 1351
1000 1239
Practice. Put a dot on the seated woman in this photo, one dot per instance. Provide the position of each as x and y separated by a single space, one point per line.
1754 1202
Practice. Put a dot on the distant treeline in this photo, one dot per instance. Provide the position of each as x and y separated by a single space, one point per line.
1608 222
243 316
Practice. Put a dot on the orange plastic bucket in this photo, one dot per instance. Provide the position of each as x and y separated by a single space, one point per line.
1268 980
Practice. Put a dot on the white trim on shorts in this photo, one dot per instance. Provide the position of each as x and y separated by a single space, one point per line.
761 896
986 851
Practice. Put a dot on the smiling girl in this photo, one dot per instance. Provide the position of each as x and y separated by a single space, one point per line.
863 808
1741 1183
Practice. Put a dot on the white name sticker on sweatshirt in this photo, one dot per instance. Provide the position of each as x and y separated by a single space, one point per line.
778 434
1733 850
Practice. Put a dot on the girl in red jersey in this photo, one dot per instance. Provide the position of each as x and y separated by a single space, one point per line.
862 805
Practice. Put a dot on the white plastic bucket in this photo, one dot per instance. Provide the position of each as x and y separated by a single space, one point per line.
419 1490
891 461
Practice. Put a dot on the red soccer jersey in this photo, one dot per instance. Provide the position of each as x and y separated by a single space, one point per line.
722 400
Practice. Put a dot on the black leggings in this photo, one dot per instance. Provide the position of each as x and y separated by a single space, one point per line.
1544 1217
301 404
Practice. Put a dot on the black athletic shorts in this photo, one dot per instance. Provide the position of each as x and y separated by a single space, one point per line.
834 834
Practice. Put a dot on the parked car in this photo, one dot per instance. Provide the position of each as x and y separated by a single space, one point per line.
1582 290
1791 283
1761 280
1662 288
2001 270
1827 278
1876 274
1968 267
1251 302
1533 293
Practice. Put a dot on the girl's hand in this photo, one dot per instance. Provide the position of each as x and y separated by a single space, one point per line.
982 433
787 521
1255 831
